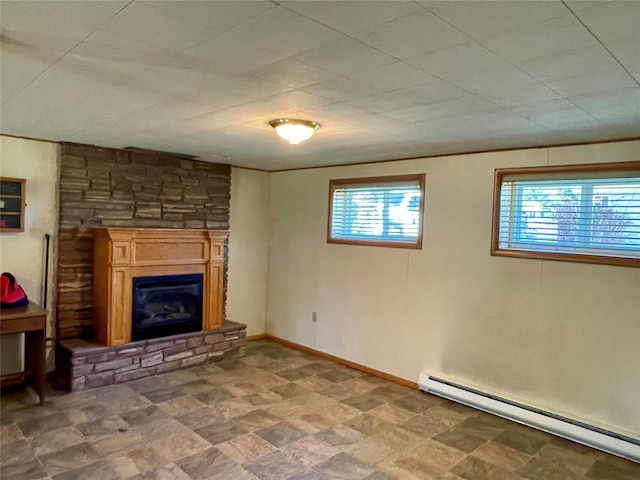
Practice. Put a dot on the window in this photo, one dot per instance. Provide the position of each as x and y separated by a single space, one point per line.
580 213
383 211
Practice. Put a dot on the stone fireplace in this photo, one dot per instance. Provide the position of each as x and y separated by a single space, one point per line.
158 306
111 190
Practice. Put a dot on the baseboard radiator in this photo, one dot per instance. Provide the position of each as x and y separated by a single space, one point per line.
611 442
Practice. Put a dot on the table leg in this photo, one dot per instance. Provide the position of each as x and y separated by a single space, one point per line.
35 361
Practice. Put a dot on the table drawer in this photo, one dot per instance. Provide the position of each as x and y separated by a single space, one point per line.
20 325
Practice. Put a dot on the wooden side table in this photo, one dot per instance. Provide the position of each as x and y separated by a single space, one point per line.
32 321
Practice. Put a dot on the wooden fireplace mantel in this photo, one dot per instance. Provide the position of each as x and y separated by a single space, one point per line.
120 254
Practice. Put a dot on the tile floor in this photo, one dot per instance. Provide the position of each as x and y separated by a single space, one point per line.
277 414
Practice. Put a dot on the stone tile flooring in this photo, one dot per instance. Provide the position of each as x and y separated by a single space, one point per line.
278 414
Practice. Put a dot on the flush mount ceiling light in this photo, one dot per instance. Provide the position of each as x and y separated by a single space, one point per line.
294 131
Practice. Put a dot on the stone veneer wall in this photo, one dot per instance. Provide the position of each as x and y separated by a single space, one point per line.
103 187
85 365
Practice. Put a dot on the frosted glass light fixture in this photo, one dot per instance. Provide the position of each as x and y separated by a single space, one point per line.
294 131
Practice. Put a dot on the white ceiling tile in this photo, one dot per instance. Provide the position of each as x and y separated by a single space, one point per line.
524 95
291 73
259 110
224 55
284 31
117 102
223 93
479 19
219 15
297 100
113 62
461 105
416 113
541 39
627 51
375 121
207 123
26 29
391 77
578 6
349 17
570 64
172 81
344 56
182 128
149 25
340 116
493 81
17 120
612 20
593 83
54 90
431 92
18 70
412 35
611 104
149 117
556 114
480 124
91 14
338 89
71 120
459 60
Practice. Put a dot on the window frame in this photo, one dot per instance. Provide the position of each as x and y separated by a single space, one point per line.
599 168
382 180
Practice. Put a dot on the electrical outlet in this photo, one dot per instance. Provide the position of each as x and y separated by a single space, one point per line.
314 317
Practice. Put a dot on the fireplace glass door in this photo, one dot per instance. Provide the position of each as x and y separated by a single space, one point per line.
166 305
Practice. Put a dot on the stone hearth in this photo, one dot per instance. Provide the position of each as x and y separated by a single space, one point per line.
86 365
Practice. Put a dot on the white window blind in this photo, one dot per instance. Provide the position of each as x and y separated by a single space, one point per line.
377 211
597 215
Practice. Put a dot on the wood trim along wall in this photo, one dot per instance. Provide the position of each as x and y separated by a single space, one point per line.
260 336
342 361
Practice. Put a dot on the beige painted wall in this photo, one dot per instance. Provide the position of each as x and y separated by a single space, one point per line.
248 249
23 253
561 336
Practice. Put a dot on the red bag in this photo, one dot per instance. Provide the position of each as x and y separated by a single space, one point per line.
11 293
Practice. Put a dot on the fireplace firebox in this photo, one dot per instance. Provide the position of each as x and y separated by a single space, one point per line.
166 305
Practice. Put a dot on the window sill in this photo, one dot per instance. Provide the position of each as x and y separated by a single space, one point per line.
568 257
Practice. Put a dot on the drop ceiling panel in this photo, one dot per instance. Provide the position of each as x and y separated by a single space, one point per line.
541 39
412 35
583 61
613 20
459 60
291 73
481 19
349 17
284 31
219 15
149 25
344 56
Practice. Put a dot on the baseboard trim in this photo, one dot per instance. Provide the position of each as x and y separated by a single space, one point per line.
260 336
346 363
